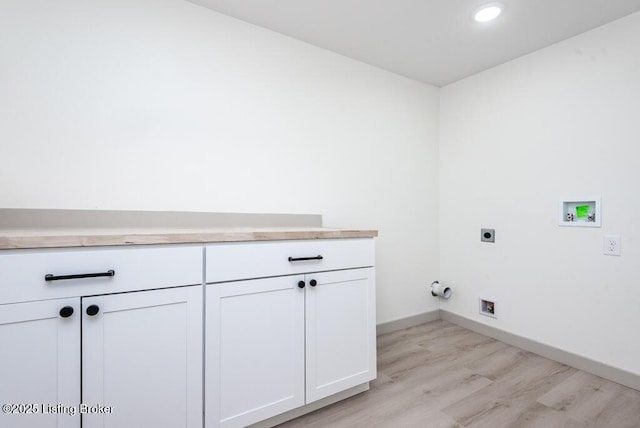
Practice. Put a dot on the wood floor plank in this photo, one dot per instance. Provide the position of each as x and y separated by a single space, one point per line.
582 396
506 397
623 411
540 416
421 417
415 333
418 369
500 364
378 405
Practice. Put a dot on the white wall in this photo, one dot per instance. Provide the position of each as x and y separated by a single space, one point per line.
563 121
165 105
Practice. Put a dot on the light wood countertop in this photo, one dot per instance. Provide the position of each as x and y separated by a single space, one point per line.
59 238
53 228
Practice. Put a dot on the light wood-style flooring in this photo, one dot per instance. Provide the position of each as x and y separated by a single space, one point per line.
441 375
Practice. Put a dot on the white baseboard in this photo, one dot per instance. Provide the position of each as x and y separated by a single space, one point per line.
292 414
402 323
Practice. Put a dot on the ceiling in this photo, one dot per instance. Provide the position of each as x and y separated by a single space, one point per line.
433 41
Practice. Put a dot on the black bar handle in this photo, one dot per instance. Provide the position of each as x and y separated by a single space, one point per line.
301 259
49 277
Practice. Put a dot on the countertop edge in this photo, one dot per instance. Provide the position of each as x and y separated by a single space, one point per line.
99 240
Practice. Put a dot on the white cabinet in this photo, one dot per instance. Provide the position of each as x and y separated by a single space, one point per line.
39 363
112 337
142 358
340 331
277 343
120 353
254 350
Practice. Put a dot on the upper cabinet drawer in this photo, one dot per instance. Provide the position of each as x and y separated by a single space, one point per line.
247 260
50 274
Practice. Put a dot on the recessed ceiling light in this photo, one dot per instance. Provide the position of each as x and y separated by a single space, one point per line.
487 12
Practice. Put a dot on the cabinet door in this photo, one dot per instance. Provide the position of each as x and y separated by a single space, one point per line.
40 363
142 359
254 349
340 337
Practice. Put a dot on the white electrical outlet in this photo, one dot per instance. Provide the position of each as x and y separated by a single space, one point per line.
611 245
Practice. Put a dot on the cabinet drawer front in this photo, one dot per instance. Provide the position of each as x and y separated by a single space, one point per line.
234 261
79 272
